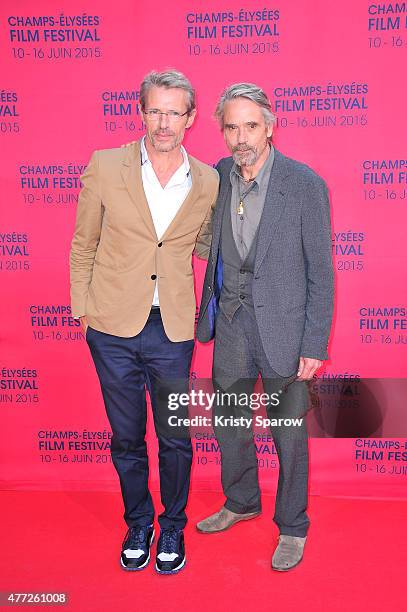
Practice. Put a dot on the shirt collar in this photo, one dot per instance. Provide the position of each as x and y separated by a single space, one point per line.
185 168
263 172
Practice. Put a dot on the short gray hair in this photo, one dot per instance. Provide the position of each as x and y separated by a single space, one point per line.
250 91
169 79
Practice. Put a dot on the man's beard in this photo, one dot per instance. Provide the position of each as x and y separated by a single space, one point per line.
245 155
165 147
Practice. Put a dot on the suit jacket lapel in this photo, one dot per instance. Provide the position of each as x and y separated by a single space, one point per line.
224 197
273 208
189 201
131 174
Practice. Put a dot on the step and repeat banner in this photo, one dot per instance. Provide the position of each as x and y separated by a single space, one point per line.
70 76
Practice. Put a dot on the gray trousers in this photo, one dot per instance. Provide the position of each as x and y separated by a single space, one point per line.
239 358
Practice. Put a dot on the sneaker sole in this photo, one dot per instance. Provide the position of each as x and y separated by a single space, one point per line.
246 518
174 571
137 569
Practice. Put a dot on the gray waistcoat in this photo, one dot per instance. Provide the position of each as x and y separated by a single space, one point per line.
237 274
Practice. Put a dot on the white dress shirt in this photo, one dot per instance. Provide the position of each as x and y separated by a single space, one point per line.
164 202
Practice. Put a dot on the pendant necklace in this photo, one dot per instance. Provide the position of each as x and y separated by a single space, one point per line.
240 209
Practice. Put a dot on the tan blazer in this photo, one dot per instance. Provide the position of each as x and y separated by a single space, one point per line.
116 254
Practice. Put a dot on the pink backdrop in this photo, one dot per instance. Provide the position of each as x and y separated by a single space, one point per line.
69 85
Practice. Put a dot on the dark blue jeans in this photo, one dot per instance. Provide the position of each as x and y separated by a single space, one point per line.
125 367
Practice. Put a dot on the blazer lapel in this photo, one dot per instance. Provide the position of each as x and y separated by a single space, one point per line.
131 174
189 201
273 207
224 197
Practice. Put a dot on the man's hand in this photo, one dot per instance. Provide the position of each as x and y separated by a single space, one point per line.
84 323
127 144
307 368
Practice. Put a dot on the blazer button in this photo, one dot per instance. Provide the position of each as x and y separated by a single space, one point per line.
153 276
160 244
242 297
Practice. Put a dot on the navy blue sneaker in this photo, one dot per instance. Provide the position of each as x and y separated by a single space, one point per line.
170 551
136 548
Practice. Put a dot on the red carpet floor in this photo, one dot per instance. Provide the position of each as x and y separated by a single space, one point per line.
69 542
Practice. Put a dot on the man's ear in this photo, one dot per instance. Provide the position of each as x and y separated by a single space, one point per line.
191 118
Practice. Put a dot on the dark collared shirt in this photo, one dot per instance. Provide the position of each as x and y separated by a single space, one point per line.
245 226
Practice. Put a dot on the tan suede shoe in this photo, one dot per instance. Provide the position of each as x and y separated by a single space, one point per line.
222 520
288 553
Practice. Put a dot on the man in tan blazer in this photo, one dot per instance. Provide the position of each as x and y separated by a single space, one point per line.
142 212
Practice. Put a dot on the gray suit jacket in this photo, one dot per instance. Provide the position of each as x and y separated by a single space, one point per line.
293 276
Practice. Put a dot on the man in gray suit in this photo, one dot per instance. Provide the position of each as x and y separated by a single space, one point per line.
268 301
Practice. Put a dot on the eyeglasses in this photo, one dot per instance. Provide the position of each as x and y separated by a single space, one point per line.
154 114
